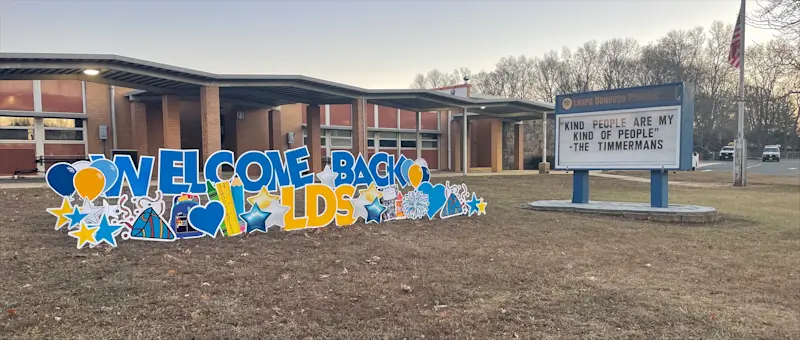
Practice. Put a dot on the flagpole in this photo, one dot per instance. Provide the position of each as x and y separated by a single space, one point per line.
740 164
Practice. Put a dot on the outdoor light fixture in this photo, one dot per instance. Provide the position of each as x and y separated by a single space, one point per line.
483 107
91 72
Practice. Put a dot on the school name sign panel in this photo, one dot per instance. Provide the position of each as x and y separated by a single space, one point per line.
647 128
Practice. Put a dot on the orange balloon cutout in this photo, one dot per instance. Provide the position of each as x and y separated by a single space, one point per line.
89 182
415 175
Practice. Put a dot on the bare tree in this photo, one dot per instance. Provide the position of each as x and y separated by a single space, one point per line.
696 56
784 17
618 60
780 15
546 77
435 78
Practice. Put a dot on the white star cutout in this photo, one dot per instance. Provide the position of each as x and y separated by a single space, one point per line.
276 212
95 213
328 177
360 207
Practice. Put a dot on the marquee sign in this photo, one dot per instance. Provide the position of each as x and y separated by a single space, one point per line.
104 200
640 128
645 128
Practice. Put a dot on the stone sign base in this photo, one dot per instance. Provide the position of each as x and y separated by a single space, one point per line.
643 211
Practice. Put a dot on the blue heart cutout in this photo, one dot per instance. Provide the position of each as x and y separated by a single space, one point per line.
208 218
436 199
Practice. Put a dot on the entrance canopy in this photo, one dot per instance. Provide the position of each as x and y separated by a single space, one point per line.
154 80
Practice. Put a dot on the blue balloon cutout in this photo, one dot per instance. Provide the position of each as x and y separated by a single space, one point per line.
426 174
404 168
59 178
109 170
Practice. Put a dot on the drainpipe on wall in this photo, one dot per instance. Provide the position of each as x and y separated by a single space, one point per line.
113 117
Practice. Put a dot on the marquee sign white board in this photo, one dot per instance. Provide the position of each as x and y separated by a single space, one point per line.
641 138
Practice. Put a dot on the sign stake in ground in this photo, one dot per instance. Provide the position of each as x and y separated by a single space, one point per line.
640 128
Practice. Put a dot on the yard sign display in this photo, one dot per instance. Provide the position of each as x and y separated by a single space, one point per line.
95 210
640 128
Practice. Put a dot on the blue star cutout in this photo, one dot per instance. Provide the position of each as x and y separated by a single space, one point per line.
75 217
107 232
256 219
473 205
375 211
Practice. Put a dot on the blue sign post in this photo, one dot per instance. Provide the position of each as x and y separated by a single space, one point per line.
639 128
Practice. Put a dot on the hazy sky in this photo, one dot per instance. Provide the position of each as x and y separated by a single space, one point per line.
375 44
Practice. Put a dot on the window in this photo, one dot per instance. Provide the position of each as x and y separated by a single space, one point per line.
408 140
387 139
63 129
17 128
430 141
322 141
341 133
388 143
16 121
341 138
63 135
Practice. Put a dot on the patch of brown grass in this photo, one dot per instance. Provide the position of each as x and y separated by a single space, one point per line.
511 273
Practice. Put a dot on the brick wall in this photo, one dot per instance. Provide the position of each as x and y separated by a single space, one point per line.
98 112
155 134
122 108
191 131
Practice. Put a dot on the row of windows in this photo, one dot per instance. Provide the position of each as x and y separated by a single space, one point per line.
406 140
55 129
48 122
343 139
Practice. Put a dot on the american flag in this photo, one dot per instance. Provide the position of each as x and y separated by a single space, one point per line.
734 57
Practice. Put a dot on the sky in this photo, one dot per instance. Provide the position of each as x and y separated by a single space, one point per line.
370 43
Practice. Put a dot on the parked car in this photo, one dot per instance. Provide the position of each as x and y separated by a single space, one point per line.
726 153
771 153
695 160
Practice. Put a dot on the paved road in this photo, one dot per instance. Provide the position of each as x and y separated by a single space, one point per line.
786 167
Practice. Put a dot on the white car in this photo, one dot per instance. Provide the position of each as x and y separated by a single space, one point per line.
726 153
771 153
695 160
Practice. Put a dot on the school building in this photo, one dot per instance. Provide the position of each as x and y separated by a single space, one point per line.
61 107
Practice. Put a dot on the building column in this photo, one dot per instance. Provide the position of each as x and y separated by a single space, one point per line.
496 144
313 130
544 166
460 155
419 135
171 121
211 138
276 138
359 127
464 143
139 128
519 146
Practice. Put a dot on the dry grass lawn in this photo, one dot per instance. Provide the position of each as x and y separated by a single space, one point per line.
513 273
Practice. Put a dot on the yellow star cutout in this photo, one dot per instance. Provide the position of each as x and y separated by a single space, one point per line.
370 193
65 209
482 207
263 198
84 235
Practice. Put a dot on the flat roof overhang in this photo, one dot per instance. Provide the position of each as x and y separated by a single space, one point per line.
155 79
